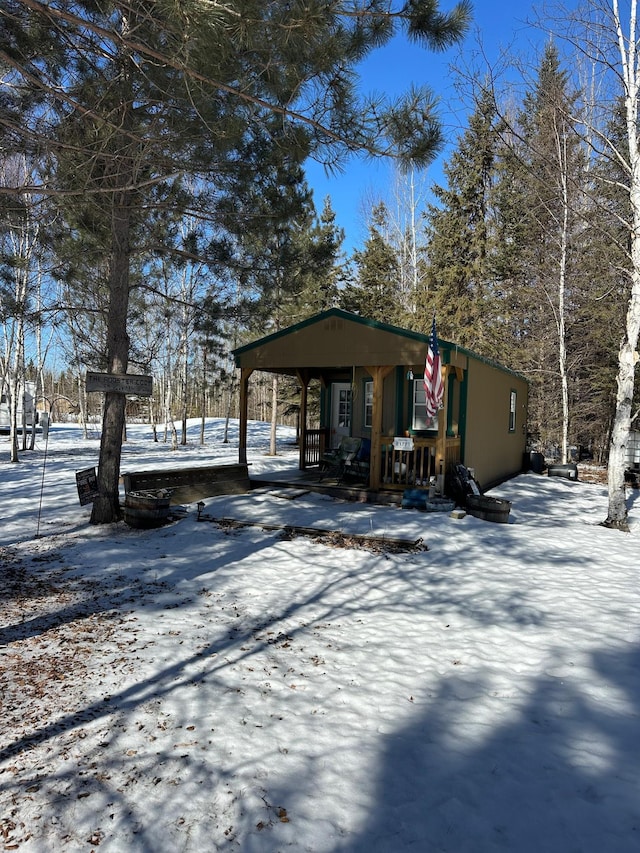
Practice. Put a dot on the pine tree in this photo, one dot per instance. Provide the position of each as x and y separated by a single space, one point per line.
323 269
376 291
129 96
459 283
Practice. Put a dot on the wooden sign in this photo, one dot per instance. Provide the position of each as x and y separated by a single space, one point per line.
87 482
401 442
120 383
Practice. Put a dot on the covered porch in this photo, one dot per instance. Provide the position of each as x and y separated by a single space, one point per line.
404 461
354 486
369 378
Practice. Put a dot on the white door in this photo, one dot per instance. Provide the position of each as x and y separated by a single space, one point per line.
340 412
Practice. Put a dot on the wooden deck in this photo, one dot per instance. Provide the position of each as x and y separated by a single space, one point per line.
309 480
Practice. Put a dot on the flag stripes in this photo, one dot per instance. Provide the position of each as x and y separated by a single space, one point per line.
433 385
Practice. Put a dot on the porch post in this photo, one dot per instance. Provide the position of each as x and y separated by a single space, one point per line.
378 375
303 379
245 373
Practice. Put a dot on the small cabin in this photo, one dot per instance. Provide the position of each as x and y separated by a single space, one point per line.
370 377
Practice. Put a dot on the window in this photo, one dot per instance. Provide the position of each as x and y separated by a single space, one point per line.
513 398
368 404
419 420
344 408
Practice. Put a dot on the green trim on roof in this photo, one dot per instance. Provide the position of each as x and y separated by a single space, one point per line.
445 346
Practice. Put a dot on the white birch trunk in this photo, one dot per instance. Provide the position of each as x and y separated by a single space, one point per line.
562 283
628 356
203 396
21 250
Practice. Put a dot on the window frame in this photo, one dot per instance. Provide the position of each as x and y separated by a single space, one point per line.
419 423
367 404
513 409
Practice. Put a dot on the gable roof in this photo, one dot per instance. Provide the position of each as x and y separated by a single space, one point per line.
336 338
338 313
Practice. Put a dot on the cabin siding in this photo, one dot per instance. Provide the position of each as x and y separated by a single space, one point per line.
336 346
490 447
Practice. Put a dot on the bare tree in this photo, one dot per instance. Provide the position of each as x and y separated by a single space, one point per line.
409 197
21 239
607 35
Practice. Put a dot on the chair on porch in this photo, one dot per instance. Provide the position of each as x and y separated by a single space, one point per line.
336 462
361 464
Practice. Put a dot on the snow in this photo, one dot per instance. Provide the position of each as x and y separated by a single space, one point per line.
201 687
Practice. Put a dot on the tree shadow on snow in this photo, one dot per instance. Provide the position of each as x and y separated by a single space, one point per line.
514 785
560 776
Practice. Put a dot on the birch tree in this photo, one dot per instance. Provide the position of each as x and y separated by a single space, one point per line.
627 37
20 247
606 33
554 166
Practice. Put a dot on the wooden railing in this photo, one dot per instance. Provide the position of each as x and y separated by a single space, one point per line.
315 444
405 468
414 468
400 468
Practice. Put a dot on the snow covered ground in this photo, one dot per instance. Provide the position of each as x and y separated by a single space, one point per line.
208 688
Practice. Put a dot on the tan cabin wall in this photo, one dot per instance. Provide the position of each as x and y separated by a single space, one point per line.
490 448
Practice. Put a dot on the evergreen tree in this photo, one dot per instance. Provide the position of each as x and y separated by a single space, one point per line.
459 284
323 270
283 264
375 292
541 193
129 96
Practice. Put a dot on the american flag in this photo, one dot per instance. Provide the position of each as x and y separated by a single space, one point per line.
433 386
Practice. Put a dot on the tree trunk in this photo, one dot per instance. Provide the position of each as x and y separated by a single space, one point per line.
106 507
203 399
82 406
185 382
13 428
628 355
120 178
627 359
561 141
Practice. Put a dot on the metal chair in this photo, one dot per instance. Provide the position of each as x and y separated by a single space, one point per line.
361 464
337 461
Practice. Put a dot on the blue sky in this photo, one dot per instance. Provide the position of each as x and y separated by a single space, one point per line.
498 26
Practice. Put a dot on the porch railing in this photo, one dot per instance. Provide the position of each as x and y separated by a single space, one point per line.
315 443
414 468
400 468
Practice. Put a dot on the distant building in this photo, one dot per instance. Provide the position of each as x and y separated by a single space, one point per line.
26 414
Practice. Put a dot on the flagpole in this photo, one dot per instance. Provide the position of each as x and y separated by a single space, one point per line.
441 440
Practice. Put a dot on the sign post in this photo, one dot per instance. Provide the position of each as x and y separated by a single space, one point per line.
120 383
115 383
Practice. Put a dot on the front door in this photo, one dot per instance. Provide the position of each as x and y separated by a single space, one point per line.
340 412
